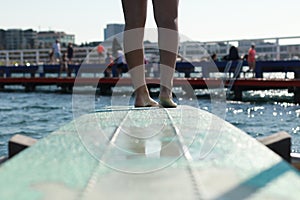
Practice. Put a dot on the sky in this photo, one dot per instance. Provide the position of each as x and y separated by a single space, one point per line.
200 20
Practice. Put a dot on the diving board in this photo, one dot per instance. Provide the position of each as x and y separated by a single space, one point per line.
151 153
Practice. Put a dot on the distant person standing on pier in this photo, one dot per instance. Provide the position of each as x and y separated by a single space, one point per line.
56 50
109 62
251 58
233 53
214 57
100 50
64 65
51 56
166 18
119 64
70 53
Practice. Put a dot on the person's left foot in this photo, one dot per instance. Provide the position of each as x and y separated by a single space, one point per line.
167 102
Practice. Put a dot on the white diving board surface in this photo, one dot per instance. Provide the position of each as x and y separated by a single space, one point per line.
125 153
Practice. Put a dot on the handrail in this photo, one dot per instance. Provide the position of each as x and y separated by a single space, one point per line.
181 67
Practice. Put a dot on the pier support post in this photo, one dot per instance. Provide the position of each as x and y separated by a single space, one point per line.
65 88
2 73
29 88
105 90
238 94
296 95
258 73
297 89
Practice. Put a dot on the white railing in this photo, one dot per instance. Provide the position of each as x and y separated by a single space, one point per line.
42 56
281 47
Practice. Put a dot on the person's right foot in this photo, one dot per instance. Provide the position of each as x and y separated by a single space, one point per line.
143 99
146 103
165 98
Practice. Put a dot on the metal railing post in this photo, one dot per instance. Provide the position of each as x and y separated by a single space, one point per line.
87 55
277 49
37 57
6 58
21 58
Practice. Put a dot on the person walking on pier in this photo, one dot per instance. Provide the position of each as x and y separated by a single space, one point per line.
165 14
56 50
70 53
251 58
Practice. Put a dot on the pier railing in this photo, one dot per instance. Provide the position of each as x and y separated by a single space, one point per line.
183 69
42 56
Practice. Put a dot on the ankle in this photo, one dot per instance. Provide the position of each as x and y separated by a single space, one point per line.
165 95
141 91
165 92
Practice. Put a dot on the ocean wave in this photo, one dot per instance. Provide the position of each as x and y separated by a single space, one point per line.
42 107
2 109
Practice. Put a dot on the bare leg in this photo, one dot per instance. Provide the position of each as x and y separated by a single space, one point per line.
135 12
166 13
252 68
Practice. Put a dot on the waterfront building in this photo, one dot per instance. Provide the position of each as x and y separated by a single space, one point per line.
192 51
112 30
188 51
46 39
2 39
13 39
30 39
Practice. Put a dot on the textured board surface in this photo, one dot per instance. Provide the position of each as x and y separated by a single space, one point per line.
182 153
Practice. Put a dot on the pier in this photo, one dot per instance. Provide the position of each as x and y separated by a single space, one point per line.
197 75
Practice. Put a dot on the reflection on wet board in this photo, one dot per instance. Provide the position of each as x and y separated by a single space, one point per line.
124 153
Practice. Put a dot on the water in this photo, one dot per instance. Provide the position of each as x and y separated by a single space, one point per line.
38 114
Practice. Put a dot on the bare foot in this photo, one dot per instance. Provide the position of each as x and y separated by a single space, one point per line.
143 98
165 98
167 102
146 103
